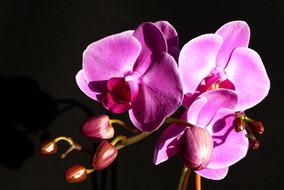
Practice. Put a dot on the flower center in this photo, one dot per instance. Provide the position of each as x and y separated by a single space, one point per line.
216 79
118 97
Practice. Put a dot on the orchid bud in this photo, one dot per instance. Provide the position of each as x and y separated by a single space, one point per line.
48 148
240 124
98 127
254 144
195 148
257 127
105 155
76 173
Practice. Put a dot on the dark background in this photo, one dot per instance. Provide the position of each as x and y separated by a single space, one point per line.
41 45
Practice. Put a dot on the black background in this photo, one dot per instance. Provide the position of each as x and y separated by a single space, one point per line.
41 50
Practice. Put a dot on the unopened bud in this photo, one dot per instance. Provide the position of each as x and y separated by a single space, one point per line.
254 144
48 148
195 148
98 127
257 127
105 155
76 173
240 124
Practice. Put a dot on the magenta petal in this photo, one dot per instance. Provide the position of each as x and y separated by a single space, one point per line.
113 56
167 144
115 106
160 94
203 109
171 36
83 85
235 34
230 146
153 44
197 58
214 174
246 71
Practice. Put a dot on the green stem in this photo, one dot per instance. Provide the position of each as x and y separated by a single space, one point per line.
183 179
171 120
132 140
124 125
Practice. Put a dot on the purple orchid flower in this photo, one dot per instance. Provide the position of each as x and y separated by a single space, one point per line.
223 60
134 71
213 111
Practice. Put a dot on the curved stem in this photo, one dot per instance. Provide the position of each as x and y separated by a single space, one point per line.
117 139
133 139
197 182
183 179
73 145
171 120
124 125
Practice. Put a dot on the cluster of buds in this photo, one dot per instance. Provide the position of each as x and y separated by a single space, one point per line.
252 128
98 128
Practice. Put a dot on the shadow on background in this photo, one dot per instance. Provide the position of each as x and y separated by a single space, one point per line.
26 109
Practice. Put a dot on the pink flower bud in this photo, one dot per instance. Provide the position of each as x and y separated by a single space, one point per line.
98 127
76 173
105 155
195 148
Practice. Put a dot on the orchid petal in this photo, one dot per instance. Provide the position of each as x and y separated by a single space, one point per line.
197 58
113 56
160 94
214 174
171 37
235 34
230 146
168 142
204 108
153 44
83 85
246 71
115 106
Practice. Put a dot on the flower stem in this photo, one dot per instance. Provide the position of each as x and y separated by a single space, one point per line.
197 182
186 179
132 140
183 179
171 120
124 125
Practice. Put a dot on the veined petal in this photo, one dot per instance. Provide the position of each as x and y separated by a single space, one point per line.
214 174
171 36
167 144
113 56
204 108
153 43
83 85
235 34
230 146
197 58
159 95
246 71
